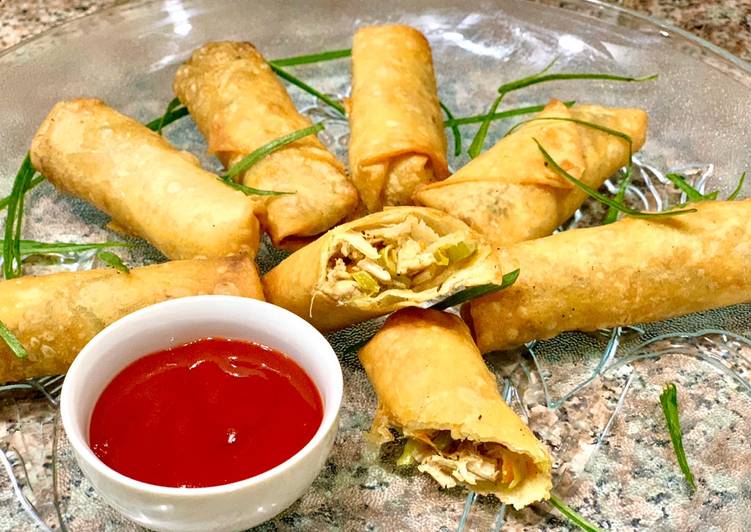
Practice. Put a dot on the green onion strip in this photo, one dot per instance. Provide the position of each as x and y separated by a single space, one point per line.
479 140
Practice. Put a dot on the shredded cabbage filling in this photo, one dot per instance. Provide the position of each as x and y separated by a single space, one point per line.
407 255
451 462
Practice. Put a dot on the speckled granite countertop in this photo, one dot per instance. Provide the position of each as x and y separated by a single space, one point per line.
27 426
726 23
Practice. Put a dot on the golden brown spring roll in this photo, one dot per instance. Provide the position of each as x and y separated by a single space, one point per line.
433 386
510 194
148 187
239 105
629 272
54 316
397 137
398 257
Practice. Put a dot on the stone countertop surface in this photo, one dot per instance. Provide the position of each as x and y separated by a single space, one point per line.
726 23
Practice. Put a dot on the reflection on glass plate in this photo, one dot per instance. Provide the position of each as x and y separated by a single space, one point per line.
593 398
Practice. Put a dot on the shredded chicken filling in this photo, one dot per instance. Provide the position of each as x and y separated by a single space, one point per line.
407 255
451 462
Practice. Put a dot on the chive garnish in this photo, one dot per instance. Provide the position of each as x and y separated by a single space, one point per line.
33 247
167 118
338 107
312 58
534 80
620 196
669 402
251 191
256 155
33 183
175 111
738 188
474 292
475 119
269 148
14 219
612 213
526 80
614 132
571 515
168 112
604 199
172 114
113 261
479 140
454 129
593 125
15 346
691 193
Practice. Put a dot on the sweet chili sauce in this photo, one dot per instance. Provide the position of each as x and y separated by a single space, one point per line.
206 413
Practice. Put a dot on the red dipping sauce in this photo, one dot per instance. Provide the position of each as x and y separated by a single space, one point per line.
207 413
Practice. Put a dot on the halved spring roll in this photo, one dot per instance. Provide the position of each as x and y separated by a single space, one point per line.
433 387
399 257
397 137
54 316
148 187
509 193
239 105
629 272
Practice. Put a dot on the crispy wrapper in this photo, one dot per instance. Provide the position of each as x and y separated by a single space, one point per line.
298 282
54 316
239 105
509 194
397 137
429 376
148 187
629 272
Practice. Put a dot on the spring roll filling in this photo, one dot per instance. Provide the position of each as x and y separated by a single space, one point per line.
483 465
406 256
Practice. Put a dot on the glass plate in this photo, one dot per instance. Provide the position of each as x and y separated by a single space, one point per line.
592 397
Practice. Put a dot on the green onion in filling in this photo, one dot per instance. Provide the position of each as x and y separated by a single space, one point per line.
442 440
407 457
459 251
366 283
387 258
440 258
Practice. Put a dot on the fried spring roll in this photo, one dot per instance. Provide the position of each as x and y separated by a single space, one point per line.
54 316
397 137
395 258
239 105
148 187
433 386
510 194
629 272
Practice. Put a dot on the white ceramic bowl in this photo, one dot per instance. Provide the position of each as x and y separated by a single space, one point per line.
235 506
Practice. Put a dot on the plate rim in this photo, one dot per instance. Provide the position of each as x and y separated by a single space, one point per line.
600 4
668 26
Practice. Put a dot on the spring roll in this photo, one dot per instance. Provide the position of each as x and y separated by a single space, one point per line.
54 316
148 187
629 272
510 194
434 388
239 105
395 258
397 137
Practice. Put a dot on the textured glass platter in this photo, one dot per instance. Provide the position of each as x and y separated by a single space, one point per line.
593 398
